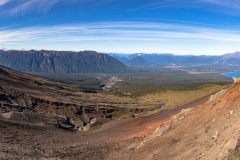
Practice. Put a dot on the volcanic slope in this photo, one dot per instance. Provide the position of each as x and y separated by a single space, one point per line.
205 130
208 131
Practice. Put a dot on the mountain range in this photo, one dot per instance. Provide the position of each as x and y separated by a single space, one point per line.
65 62
47 61
179 60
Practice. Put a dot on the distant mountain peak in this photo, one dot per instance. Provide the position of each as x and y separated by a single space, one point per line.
234 54
167 59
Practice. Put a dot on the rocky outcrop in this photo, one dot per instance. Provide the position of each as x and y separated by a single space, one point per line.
22 107
236 80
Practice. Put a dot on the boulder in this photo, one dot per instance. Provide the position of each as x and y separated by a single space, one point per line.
93 121
236 80
86 128
85 118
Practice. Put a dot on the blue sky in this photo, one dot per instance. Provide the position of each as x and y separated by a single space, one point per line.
122 26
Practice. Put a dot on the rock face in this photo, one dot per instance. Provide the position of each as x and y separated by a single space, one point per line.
236 80
60 61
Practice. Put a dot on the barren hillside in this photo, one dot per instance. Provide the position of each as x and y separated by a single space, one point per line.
209 131
34 112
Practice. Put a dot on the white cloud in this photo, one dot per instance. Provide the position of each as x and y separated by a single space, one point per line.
34 5
21 7
210 4
3 2
231 4
118 33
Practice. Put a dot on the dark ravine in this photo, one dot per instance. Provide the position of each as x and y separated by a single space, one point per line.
48 61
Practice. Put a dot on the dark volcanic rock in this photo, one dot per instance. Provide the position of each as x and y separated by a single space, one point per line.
60 61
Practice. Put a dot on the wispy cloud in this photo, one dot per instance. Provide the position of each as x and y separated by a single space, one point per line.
2 2
131 31
124 36
224 3
210 4
21 7
33 5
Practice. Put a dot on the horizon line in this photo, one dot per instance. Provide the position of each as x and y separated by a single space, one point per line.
120 53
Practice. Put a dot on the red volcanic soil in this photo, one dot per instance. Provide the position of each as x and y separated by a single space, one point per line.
209 131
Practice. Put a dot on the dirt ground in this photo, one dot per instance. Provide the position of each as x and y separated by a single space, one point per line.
47 142
209 131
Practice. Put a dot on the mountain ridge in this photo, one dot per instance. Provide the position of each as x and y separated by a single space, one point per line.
50 61
181 60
